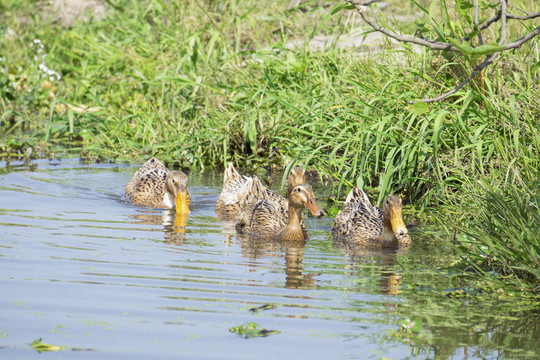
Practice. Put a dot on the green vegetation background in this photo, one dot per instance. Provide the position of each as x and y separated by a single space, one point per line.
201 83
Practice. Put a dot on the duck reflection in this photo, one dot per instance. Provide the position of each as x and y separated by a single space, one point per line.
389 279
228 227
174 224
295 278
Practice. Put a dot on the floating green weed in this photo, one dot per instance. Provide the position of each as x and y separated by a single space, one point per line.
251 329
41 347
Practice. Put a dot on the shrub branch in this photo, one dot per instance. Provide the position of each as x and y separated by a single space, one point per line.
502 16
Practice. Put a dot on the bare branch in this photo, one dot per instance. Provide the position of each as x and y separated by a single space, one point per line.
366 2
525 17
523 40
502 16
503 22
497 17
435 45
475 4
483 65
489 59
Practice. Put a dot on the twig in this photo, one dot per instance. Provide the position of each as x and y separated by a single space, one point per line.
523 40
432 44
501 15
508 16
366 3
503 22
475 4
488 60
481 41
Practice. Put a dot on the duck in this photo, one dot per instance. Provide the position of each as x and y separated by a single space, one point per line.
240 193
228 203
269 220
153 185
364 225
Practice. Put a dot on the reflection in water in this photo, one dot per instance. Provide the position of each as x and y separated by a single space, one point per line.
296 279
174 225
67 230
253 249
228 227
389 279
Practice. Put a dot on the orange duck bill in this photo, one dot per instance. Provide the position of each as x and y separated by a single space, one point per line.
181 202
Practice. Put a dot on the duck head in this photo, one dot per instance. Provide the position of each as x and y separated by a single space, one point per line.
177 183
302 196
296 177
394 227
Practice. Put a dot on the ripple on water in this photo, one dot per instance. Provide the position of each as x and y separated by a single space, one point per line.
82 268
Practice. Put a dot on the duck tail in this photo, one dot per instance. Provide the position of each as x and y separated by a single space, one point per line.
357 195
230 174
252 192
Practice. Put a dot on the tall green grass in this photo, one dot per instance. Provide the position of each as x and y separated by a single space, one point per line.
503 235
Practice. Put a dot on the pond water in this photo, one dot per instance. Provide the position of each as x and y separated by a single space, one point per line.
83 269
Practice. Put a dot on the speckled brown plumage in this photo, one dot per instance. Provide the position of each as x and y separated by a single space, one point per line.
241 193
255 191
271 220
362 224
227 203
153 183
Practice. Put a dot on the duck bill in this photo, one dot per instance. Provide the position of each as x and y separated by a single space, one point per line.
396 220
181 202
314 209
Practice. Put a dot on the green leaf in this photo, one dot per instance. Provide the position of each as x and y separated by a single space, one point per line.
341 7
487 49
484 5
472 34
464 47
420 108
420 6
535 67
465 5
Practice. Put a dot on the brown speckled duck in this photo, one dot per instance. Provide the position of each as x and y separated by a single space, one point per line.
362 224
271 220
240 193
155 186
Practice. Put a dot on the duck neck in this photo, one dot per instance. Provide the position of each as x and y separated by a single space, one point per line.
388 232
293 230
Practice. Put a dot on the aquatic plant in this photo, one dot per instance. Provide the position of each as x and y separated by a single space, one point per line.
504 234
251 330
40 346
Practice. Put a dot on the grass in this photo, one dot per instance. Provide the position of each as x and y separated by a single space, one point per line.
199 84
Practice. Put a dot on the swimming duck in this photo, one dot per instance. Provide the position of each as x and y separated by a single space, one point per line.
362 224
154 185
270 220
240 193
227 202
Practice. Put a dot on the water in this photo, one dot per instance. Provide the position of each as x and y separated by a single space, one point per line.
83 269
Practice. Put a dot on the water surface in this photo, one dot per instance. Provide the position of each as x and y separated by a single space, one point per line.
82 268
